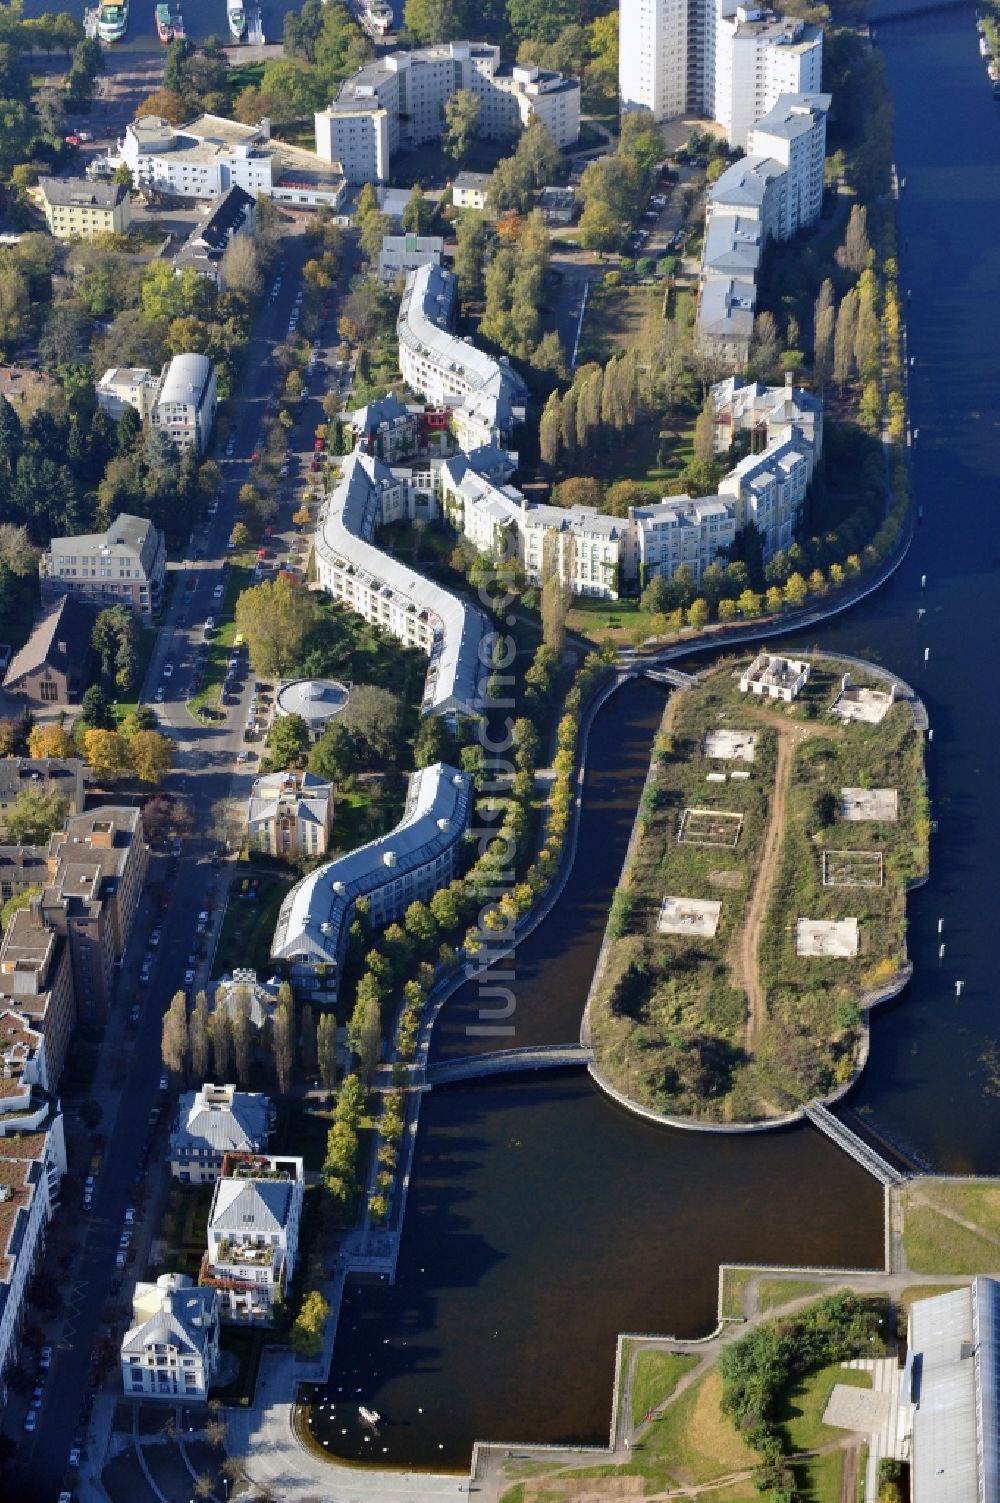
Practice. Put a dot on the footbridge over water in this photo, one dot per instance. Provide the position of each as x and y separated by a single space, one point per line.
902 10
507 1061
853 1145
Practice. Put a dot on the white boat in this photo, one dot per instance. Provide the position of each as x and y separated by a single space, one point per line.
112 22
237 18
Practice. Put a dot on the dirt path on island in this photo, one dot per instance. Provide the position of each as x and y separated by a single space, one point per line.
743 961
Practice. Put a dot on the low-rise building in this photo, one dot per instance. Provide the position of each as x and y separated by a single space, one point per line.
470 190
126 565
409 863
253 1234
772 677
214 1121
487 397
557 206
32 1164
186 401
396 102
171 1349
210 154
56 664
389 592
62 776
387 428
78 209
401 254
232 214
317 701
290 814
127 386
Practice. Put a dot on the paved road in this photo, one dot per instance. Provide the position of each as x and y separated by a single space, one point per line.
205 773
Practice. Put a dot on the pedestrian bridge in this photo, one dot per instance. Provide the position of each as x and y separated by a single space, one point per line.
506 1061
853 1145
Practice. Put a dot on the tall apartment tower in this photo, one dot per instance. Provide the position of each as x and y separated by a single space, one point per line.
653 48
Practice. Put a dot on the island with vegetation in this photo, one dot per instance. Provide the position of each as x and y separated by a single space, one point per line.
763 905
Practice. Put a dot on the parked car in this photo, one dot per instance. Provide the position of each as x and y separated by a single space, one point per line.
218 592
30 1420
135 1014
154 938
45 1355
168 670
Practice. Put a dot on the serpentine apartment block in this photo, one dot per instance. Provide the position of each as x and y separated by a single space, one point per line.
486 396
407 865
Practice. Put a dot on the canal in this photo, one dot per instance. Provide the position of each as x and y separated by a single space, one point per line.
542 1221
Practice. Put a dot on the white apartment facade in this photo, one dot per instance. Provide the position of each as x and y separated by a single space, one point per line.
253 1234
653 56
759 56
186 401
408 864
171 1350
397 101
127 386
793 133
487 397
290 814
415 610
32 1163
125 565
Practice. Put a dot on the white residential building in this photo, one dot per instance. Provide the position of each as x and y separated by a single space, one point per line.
401 254
386 428
214 1121
470 190
32 1164
125 565
793 133
290 814
186 401
410 863
772 193
385 590
396 102
759 56
171 1350
253 1233
125 386
679 531
487 397
653 56
209 155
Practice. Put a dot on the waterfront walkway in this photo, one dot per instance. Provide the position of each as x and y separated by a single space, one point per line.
508 1061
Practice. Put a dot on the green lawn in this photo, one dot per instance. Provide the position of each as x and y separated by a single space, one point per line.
145 643
220 647
734 1287
771 1293
654 1378
820 1479
619 318
934 1243
800 1407
248 928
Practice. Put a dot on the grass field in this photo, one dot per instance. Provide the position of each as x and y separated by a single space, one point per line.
248 928
654 1378
800 1411
669 1015
821 1479
934 1242
619 318
734 1287
773 1293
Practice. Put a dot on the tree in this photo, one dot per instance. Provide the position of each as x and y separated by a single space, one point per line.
241 1029
555 603
222 1043
579 490
364 1031
50 741
283 1038
417 212
698 614
765 345
461 123
288 742
15 903
240 267
824 318
332 757
275 618
844 338
373 717
704 433
853 254
174 1034
473 237
307 1328
106 753
309 1055
17 552
123 176
326 1049
152 756
36 815
432 743
164 102
550 431
199 1039
434 20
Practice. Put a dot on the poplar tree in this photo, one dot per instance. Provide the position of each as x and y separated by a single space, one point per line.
704 433
241 1036
824 318
326 1049
308 1028
199 1040
174 1034
550 431
283 1038
222 1044
843 339
568 422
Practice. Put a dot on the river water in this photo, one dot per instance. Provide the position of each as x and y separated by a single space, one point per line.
541 1220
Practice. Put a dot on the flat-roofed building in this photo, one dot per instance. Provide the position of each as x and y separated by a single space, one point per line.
127 386
36 986
126 565
171 1349
32 1164
62 776
758 57
408 864
401 254
78 209
396 102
